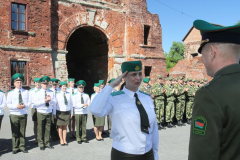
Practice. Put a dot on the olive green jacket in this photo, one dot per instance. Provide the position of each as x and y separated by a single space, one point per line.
215 129
169 95
157 91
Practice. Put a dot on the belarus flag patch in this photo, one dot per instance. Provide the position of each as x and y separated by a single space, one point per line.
199 125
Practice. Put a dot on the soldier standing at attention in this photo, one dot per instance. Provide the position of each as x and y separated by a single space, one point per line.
159 99
190 98
180 103
3 103
81 102
17 102
54 128
71 126
215 126
34 110
170 99
146 87
45 102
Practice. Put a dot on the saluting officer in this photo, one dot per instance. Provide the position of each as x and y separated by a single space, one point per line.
71 126
17 102
44 102
63 111
34 110
81 101
3 103
54 129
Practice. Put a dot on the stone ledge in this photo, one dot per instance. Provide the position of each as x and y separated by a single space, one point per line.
146 46
33 34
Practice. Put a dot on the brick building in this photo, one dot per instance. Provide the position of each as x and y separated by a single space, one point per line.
81 39
191 66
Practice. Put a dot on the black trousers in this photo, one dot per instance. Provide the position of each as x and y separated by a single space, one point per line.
117 155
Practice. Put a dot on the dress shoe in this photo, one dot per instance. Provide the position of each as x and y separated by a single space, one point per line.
15 152
24 151
102 139
50 147
63 144
98 139
85 141
66 144
79 142
42 148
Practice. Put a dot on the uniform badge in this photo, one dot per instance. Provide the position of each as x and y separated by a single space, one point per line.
138 102
137 68
199 125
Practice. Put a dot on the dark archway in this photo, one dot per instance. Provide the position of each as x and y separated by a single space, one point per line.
87 57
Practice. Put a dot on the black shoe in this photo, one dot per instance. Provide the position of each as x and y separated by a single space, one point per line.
14 152
182 123
102 139
85 141
42 148
160 125
169 125
79 142
66 144
179 123
98 139
104 132
63 144
24 151
188 121
159 128
172 125
50 147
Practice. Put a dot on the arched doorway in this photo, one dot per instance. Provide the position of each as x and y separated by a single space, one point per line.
87 57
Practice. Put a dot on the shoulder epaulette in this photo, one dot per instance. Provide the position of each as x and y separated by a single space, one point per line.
37 90
74 94
211 81
68 88
50 90
2 91
93 93
10 90
117 93
57 92
32 89
145 93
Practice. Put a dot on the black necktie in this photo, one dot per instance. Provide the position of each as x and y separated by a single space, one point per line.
55 91
47 104
72 91
20 97
143 115
65 99
82 101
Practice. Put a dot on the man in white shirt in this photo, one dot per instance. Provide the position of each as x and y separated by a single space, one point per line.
2 106
81 101
44 102
31 103
17 102
54 128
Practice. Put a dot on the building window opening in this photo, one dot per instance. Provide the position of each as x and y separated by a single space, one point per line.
148 70
19 67
146 34
18 20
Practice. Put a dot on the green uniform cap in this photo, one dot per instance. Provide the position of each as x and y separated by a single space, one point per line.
81 83
111 80
175 79
159 76
63 83
184 80
189 79
55 81
97 84
36 79
217 34
71 80
17 77
101 81
205 79
180 77
131 66
166 79
170 78
193 80
146 80
45 79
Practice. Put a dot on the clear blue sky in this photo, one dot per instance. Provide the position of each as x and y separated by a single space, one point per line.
175 25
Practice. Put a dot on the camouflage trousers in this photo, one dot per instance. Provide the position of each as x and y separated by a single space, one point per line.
189 107
170 111
159 110
180 106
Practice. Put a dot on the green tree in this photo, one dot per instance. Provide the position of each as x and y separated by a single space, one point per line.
237 22
175 54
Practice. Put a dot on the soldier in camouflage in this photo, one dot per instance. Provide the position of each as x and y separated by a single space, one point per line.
190 98
159 100
146 86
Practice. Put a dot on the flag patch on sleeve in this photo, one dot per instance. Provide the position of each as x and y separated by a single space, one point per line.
199 125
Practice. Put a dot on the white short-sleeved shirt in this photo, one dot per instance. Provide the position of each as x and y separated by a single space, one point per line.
60 103
77 105
126 131
3 102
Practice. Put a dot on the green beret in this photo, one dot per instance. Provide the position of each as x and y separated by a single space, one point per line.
146 80
36 79
175 79
217 34
55 81
189 79
81 83
45 79
17 77
184 80
166 79
101 81
193 80
63 83
170 78
111 80
159 76
131 66
71 80
180 77
97 84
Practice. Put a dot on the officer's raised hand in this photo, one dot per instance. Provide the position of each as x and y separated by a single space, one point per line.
118 80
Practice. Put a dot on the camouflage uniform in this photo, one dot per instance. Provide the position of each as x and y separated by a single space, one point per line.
169 104
189 103
180 103
147 90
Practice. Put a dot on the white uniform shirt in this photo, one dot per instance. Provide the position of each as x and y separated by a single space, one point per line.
54 91
60 103
92 96
31 97
40 103
126 131
78 106
13 101
75 90
3 102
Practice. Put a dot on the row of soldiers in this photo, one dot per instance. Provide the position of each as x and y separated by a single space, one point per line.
172 98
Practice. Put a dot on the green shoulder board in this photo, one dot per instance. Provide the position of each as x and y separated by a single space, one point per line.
32 89
74 94
57 92
211 81
117 93
93 94
145 93
2 91
37 90
10 90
